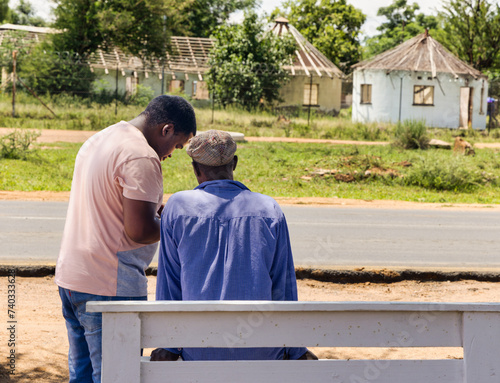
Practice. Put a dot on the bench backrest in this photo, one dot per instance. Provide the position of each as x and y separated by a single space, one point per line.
128 327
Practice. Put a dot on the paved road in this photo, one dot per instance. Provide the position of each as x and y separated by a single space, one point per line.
30 232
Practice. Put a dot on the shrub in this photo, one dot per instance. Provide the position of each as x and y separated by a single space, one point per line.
454 174
16 145
142 96
411 134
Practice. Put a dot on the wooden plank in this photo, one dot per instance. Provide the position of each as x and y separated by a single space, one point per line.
121 348
331 371
481 342
431 59
219 306
464 107
297 36
308 329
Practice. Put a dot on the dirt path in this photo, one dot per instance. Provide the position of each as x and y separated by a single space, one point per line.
41 334
51 136
284 201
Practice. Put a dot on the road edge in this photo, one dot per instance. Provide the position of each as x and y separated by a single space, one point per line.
341 276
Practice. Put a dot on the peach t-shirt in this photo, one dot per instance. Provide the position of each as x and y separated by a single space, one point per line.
96 256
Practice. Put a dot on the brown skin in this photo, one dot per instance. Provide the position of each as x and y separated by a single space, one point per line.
206 173
141 218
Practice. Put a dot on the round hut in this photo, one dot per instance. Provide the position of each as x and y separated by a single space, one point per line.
420 80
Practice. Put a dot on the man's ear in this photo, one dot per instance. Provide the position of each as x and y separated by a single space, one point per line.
166 128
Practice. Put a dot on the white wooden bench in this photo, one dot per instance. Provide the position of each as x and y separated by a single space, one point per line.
128 327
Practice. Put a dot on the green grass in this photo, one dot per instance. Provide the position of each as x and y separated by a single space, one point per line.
277 169
76 114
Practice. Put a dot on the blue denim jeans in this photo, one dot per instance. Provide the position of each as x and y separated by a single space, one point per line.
85 334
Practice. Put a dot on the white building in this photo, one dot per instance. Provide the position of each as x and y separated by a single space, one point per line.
420 80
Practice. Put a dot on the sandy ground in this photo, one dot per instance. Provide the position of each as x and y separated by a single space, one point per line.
41 334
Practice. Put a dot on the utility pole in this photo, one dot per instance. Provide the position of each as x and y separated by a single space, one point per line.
310 99
116 90
14 58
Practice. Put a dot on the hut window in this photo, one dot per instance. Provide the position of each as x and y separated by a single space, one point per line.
423 95
366 93
311 94
176 85
200 90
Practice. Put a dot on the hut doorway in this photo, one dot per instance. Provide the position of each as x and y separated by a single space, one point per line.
465 107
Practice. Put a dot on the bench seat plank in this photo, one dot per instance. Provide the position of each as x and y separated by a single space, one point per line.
331 371
208 306
307 329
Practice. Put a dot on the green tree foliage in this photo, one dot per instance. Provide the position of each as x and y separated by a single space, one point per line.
402 23
141 28
46 70
472 32
246 64
332 26
4 10
24 14
206 15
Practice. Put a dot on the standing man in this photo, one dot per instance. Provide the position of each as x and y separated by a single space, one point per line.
112 225
221 241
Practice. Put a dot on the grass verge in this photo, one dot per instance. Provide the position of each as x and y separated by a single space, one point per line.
74 113
302 170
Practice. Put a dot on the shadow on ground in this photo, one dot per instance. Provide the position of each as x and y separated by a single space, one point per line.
50 373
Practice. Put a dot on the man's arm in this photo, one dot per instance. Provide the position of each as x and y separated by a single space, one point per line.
141 222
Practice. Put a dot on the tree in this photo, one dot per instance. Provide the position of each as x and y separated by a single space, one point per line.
4 10
206 15
24 14
402 23
472 32
46 70
332 26
246 64
141 28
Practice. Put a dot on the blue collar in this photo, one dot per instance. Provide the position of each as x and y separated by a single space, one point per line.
225 184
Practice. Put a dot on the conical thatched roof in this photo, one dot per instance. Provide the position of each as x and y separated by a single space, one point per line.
307 57
423 54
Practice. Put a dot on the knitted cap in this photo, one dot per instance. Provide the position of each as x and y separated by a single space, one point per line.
212 148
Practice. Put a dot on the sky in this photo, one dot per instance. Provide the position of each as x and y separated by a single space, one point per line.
369 8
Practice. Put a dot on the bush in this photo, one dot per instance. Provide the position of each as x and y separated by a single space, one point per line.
16 145
411 134
142 96
454 174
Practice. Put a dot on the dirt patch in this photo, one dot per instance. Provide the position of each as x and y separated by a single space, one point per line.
41 333
309 201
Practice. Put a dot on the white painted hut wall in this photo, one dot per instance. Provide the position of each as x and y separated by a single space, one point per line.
386 98
329 91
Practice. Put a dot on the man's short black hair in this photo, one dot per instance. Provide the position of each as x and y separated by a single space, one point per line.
171 110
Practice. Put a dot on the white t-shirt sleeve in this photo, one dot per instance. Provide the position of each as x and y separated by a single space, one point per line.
141 179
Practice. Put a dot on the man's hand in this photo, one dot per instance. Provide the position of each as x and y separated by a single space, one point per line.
160 209
160 354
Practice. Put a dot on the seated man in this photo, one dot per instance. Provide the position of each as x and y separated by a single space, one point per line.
221 241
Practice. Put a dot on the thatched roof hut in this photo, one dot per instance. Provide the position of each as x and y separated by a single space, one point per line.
420 80
420 54
307 57
315 81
